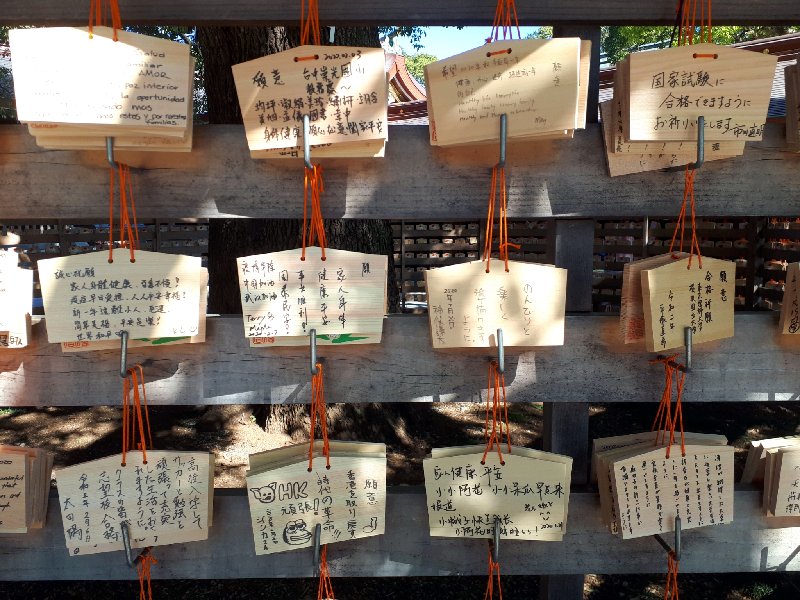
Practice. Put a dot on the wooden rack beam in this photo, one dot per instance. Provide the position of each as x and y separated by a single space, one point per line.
593 366
408 12
747 545
415 181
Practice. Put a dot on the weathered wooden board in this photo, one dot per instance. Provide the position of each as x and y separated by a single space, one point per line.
755 365
551 178
413 12
407 549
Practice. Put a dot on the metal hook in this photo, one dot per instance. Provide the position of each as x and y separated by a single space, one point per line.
110 152
317 544
307 142
687 342
665 545
312 336
123 354
501 353
503 137
126 542
494 543
701 148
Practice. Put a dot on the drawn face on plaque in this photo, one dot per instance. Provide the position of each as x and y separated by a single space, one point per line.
265 494
296 533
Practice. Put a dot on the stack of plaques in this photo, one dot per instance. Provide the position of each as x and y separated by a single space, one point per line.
777 462
288 499
526 494
24 488
74 90
16 298
342 90
540 85
641 491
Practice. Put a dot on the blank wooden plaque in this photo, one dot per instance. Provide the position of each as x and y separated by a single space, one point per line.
466 305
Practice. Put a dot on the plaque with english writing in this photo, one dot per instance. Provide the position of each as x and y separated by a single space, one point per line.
466 305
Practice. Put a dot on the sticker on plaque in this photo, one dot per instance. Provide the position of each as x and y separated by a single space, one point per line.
167 500
138 84
534 82
675 297
529 493
16 301
343 90
287 501
467 305
284 296
669 89
87 299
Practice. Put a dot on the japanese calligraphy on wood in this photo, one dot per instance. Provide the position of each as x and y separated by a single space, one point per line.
167 500
783 495
670 88
16 300
534 82
139 83
284 296
650 490
676 297
790 308
88 299
755 463
343 90
468 305
529 493
287 500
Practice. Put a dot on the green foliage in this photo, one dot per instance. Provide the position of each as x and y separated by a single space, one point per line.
543 33
416 64
415 34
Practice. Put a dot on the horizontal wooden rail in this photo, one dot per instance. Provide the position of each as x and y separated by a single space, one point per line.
593 366
415 181
746 545
408 12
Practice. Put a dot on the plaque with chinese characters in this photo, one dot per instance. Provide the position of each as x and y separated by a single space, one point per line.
88 299
287 501
167 500
16 301
784 492
529 493
669 89
284 296
139 84
343 91
790 308
650 490
676 297
534 82
467 305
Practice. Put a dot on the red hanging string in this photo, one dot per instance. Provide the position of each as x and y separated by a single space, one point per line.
494 580
143 565
689 33
498 177
505 19
98 15
497 406
309 23
667 422
128 226
318 412
671 587
313 229
135 414
325 587
694 243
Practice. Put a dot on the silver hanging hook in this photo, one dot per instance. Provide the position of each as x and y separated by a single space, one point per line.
701 144
110 152
503 137
317 544
687 342
495 541
126 542
677 549
307 142
123 354
312 337
501 353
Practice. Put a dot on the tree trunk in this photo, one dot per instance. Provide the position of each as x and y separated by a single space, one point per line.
222 47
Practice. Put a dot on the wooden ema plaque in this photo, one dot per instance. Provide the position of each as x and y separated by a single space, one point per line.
676 297
200 338
530 493
669 89
332 339
88 299
24 488
468 305
782 495
287 500
366 149
168 500
284 296
790 307
792 86
140 83
534 82
755 464
650 490
16 301
343 90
